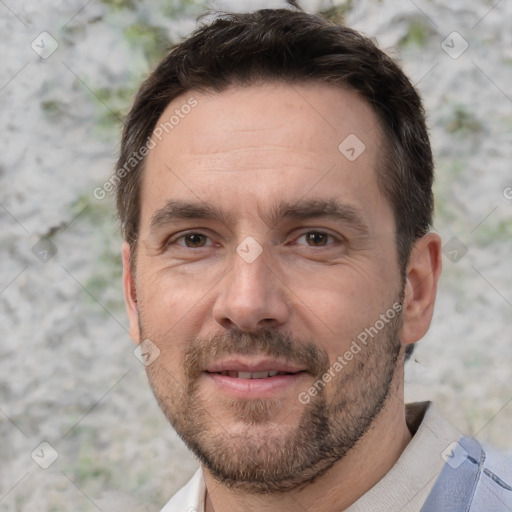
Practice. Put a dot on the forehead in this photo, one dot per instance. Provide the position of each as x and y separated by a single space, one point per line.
272 139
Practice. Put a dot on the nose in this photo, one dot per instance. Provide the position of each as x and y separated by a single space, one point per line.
251 296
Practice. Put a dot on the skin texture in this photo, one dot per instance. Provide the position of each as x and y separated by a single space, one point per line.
317 284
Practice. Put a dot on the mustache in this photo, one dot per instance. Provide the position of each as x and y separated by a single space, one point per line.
271 343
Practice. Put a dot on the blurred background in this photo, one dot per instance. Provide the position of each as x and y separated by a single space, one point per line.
68 375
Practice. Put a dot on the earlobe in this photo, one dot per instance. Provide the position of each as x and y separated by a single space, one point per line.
423 273
130 297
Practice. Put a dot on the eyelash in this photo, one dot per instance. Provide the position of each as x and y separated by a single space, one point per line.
328 235
174 241
183 236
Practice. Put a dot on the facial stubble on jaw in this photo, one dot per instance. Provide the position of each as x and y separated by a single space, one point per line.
264 456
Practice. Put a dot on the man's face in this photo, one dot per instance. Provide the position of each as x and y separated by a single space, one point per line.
265 248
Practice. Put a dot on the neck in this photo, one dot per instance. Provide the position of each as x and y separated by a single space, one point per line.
342 485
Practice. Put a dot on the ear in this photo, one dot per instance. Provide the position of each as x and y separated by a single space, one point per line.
423 273
130 295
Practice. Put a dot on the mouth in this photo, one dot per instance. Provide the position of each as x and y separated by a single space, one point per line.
252 377
245 367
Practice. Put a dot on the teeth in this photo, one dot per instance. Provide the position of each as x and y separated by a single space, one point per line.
250 375
260 375
256 375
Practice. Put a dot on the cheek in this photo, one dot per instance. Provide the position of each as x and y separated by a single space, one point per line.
172 308
339 296
166 290
337 312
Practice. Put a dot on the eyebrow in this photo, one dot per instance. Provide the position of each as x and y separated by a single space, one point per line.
182 210
303 209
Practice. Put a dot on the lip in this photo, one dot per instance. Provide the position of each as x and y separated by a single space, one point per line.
268 387
254 388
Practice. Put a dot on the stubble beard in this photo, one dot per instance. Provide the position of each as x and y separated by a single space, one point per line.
265 457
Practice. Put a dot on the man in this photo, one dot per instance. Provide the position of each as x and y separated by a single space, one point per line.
275 196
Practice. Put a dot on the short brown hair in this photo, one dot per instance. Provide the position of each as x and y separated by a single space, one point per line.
291 46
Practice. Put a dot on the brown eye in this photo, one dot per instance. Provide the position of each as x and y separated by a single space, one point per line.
317 239
189 240
195 240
